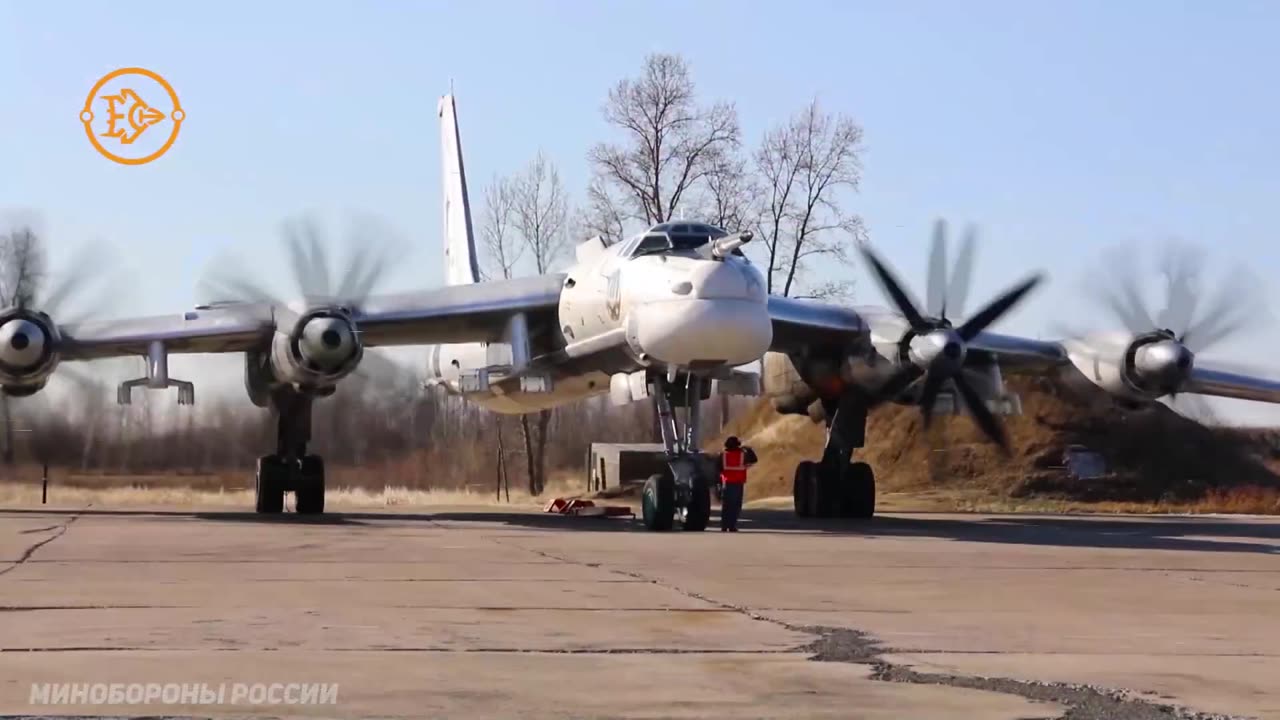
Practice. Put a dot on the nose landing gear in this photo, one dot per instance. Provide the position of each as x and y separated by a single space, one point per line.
683 492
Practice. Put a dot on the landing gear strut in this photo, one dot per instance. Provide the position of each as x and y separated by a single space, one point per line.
290 469
683 492
834 486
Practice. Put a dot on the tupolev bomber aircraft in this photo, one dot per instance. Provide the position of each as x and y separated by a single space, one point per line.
669 317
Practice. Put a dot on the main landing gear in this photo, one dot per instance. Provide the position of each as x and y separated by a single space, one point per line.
834 486
290 469
683 492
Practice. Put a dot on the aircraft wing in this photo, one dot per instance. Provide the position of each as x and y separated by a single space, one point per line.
1205 380
799 322
1019 353
1027 356
454 314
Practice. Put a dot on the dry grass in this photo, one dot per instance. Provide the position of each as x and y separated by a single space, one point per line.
1159 461
27 495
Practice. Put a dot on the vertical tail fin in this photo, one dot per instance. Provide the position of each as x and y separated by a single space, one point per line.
460 264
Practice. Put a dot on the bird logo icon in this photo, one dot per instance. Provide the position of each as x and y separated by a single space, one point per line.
138 114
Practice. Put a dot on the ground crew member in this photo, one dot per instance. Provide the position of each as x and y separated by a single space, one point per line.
734 462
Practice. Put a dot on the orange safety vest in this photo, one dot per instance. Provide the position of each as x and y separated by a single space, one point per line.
733 469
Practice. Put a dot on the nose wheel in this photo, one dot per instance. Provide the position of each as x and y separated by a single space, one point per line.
682 493
662 503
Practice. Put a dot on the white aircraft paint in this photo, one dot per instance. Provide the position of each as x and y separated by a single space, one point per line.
681 308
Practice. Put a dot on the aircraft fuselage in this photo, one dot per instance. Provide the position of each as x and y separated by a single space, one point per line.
624 309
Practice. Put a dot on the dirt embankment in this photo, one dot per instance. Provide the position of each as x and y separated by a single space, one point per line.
1154 457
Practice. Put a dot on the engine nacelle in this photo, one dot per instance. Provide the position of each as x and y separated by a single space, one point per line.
28 351
794 389
322 348
1141 368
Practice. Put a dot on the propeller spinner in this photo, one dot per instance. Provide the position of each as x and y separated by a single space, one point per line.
934 348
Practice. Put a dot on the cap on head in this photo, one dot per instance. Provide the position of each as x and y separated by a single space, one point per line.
732 443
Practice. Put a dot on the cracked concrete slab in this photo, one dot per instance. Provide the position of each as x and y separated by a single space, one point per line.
489 613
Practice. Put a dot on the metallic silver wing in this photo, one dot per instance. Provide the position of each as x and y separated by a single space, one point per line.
232 328
1018 353
457 313
454 314
1221 383
797 323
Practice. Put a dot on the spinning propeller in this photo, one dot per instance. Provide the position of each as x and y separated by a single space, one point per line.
363 269
933 347
1192 321
34 303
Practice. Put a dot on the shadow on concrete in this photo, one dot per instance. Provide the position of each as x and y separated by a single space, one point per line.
1188 533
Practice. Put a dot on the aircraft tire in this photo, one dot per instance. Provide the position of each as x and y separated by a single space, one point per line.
698 514
858 488
658 502
826 496
802 488
269 485
309 496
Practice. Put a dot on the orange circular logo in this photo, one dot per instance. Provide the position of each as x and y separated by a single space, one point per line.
132 116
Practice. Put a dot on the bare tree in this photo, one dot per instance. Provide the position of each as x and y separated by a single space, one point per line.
671 143
527 216
502 248
732 195
603 215
541 214
22 270
804 165
22 266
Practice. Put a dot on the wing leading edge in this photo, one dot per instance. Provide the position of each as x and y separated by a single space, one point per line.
454 314
797 323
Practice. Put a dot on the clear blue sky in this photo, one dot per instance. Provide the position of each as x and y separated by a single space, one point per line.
1061 128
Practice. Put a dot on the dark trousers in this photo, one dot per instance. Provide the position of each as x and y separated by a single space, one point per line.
731 504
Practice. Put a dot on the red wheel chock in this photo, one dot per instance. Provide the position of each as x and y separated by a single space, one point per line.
585 508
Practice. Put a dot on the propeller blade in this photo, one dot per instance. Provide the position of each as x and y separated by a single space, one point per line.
372 272
1181 269
933 382
1116 288
987 422
996 308
87 290
897 383
936 290
962 275
308 259
1192 407
379 370
893 290
1234 305
86 268
372 248
1137 308
227 285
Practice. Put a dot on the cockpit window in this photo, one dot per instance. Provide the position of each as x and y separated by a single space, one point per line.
677 237
651 243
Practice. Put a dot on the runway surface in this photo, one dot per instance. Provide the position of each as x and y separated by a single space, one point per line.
457 613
